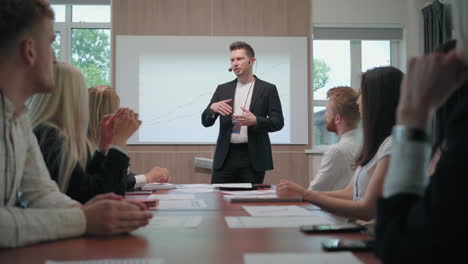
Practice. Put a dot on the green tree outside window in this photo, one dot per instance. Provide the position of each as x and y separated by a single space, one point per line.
320 73
91 54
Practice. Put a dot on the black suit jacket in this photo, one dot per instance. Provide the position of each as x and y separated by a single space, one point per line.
266 106
432 227
102 173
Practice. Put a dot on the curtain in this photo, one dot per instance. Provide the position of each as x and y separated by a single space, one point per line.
437 25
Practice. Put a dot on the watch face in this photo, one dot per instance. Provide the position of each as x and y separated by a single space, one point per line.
406 133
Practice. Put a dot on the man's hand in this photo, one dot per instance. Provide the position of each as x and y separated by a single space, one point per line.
247 119
222 107
429 82
289 187
157 174
108 217
105 196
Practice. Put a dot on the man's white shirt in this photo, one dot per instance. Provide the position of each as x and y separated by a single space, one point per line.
243 97
336 168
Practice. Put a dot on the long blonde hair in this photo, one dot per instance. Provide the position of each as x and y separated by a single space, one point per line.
66 109
103 100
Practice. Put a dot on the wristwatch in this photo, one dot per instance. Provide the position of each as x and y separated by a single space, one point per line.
406 133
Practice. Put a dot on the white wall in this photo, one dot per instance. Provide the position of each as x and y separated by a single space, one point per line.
406 13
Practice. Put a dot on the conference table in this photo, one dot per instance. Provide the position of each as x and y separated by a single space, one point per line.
210 242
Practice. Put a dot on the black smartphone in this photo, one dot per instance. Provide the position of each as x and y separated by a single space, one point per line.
348 227
347 245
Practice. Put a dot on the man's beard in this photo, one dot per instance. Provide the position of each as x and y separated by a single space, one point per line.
330 126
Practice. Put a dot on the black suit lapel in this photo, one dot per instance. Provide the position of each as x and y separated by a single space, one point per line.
257 93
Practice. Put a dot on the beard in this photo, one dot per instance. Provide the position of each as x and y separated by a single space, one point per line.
330 126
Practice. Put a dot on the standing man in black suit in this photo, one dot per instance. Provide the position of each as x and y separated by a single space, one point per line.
249 108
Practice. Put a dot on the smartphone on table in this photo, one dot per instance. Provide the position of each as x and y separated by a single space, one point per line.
332 228
347 245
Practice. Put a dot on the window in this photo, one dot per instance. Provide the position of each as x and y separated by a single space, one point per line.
340 56
375 53
91 13
56 46
59 11
83 39
91 54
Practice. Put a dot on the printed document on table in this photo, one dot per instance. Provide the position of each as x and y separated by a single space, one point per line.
181 204
196 190
233 185
112 261
273 210
274 221
194 186
172 196
270 198
301 258
167 222
249 192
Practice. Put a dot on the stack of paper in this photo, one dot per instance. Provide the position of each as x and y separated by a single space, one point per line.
158 186
233 185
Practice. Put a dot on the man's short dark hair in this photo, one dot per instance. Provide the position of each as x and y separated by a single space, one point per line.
17 16
242 45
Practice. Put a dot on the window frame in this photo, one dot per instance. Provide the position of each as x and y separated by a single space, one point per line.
396 46
65 28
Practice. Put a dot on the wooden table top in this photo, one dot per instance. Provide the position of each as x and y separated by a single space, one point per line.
212 242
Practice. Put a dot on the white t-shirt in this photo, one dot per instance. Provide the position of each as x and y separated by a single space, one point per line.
243 97
363 174
336 168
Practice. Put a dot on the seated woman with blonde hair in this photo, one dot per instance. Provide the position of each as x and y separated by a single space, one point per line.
380 92
60 121
103 104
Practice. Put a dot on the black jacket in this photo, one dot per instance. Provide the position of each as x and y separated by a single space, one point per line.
102 174
431 228
266 106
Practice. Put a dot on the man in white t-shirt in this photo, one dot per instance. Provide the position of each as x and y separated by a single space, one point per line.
249 109
342 118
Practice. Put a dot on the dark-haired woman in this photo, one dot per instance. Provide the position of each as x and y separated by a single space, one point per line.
380 92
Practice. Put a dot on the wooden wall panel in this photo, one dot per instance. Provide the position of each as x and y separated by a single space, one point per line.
161 17
212 18
288 165
180 164
261 18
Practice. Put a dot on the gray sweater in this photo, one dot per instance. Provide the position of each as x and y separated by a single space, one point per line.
46 213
